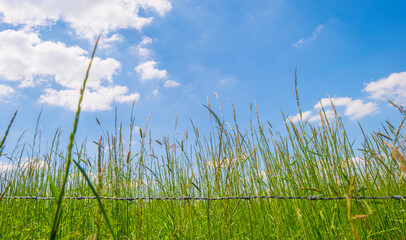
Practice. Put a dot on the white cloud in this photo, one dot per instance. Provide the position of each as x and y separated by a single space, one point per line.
145 41
391 88
329 114
314 35
155 92
27 60
358 161
354 108
312 117
33 164
140 50
87 18
148 71
97 100
107 42
30 61
147 68
171 84
6 167
296 118
6 92
30 163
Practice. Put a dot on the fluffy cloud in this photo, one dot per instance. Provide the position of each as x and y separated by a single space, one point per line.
312 117
87 18
354 108
6 92
391 88
97 100
171 84
28 164
27 60
305 116
6 167
148 71
30 61
314 35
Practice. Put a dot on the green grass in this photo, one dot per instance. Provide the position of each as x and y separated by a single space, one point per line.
230 161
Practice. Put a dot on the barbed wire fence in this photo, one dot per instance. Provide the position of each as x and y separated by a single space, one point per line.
312 198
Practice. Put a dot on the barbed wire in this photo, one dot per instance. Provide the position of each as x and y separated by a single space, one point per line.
312 198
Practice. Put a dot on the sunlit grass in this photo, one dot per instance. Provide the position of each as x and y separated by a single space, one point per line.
230 161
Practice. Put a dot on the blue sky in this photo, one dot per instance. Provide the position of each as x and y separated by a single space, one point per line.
171 56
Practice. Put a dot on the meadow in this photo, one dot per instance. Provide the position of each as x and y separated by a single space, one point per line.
309 160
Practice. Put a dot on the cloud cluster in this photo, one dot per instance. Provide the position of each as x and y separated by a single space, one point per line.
391 88
27 61
141 50
87 18
147 69
353 108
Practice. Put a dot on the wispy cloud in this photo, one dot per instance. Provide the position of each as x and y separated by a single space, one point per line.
141 50
391 88
6 92
171 84
107 42
301 42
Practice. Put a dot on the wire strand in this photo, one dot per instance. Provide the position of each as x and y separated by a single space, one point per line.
312 198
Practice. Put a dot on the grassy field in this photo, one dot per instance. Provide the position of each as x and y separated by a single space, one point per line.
258 161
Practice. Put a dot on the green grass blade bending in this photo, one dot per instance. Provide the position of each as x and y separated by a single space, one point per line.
6 133
58 213
53 188
97 196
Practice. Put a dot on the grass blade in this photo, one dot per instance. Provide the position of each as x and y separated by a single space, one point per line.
53 188
5 134
58 213
96 195
5 190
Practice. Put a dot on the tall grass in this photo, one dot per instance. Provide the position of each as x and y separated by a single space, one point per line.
230 161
